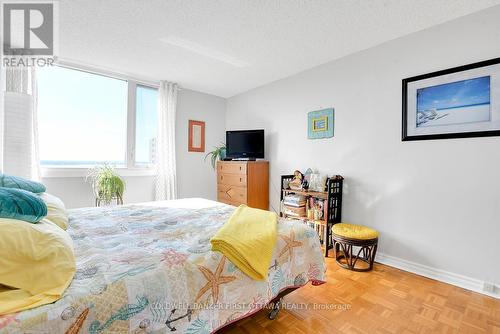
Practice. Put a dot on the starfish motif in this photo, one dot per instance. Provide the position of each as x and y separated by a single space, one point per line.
214 280
290 244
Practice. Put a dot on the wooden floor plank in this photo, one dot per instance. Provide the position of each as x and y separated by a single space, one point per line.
385 300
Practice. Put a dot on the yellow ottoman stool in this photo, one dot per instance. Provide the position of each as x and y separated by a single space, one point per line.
347 236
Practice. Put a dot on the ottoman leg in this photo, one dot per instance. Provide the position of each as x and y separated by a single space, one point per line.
373 253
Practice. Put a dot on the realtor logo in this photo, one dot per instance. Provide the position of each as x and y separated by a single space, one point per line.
28 29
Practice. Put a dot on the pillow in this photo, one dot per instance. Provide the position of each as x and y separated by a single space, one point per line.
10 181
56 211
37 264
22 205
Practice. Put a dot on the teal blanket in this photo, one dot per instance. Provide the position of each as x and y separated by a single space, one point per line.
22 205
10 181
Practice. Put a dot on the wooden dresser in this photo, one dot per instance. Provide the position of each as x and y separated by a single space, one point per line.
243 182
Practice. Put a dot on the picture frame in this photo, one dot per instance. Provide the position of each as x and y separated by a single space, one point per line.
459 102
320 123
196 136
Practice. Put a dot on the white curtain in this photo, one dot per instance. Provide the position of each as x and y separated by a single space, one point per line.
20 124
166 178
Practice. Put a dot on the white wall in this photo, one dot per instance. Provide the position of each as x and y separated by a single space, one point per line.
2 117
435 203
196 178
76 193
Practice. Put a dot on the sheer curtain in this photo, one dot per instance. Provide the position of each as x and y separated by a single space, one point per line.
166 177
20 130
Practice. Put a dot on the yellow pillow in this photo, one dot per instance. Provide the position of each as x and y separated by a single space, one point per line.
56 211
37 264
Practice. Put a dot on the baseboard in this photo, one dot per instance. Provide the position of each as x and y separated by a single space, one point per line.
465 282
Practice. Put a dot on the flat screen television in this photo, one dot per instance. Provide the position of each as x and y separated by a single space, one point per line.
245 144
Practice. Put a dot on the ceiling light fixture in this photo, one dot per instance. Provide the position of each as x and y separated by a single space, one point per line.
204 51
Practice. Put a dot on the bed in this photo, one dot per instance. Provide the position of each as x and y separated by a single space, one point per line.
149 268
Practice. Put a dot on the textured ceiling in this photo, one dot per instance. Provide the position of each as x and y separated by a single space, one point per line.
225 47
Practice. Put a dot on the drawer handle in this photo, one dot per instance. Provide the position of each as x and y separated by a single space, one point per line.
240 167
240 179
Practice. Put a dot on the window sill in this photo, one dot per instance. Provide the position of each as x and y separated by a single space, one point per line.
63 172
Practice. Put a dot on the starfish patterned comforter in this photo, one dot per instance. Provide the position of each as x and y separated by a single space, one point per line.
148 268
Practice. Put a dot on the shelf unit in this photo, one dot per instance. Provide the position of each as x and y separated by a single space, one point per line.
332 206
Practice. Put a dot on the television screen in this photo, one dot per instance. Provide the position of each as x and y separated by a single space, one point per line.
245 144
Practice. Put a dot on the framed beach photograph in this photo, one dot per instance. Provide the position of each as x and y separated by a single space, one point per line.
455 103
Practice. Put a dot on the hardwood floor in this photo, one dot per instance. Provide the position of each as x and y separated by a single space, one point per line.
385 300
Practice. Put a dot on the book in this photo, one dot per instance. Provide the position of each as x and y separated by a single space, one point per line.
294 211
294 200
294 204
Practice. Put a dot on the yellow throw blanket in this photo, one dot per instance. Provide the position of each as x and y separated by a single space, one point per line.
247 239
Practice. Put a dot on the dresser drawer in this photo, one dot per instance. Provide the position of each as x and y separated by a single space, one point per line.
232 179
232 168
231 193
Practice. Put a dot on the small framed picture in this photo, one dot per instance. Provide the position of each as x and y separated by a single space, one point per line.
454 103
196 142
320 124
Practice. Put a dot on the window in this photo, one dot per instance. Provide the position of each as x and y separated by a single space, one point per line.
84 118
145 125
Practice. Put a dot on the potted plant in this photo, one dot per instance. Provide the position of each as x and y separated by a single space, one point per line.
106 184
219 153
